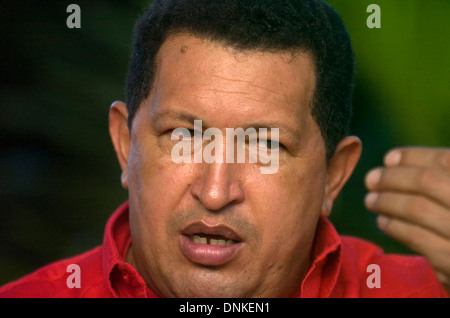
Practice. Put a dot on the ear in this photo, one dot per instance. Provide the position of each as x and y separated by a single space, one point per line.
120 136
340 167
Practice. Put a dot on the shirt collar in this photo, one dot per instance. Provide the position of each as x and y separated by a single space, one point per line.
124 281
325 262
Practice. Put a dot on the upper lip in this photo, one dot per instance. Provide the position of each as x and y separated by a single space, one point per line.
201 227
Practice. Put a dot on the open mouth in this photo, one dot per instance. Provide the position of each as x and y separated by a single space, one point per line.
210 245
210 239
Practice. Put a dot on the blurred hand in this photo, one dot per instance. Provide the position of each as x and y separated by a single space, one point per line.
412 195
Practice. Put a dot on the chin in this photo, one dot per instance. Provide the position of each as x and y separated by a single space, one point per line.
208 285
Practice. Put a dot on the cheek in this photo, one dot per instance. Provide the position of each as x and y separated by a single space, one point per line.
297 189
156 190
156 185
154 176
291 204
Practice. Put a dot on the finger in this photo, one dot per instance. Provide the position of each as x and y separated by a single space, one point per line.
412 208
431 246
444 279
428 182
438 158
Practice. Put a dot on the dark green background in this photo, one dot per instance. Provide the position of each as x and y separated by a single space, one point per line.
59 179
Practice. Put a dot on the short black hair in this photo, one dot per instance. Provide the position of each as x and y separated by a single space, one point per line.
264 25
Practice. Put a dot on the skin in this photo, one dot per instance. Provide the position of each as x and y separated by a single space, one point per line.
411 195
274 214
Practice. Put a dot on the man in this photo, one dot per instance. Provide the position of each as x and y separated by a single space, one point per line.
215 228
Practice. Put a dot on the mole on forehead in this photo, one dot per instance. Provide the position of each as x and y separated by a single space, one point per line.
183 49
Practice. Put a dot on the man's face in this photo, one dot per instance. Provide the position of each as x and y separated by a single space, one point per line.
264 223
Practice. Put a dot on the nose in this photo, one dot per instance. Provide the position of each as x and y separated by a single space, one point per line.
218 186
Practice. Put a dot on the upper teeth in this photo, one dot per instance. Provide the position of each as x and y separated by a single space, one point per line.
206 240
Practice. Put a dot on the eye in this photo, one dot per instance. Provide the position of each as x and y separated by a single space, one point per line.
180 133
188 133
270 144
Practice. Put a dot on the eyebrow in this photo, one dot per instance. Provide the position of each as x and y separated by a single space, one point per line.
182 116
189 118
283 129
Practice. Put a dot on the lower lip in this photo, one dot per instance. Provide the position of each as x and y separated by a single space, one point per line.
208 255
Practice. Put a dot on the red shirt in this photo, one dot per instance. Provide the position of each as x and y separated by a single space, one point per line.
338 269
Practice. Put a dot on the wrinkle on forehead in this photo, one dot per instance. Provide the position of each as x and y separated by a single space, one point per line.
251 83
210 76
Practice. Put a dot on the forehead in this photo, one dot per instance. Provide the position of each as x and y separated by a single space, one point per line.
191 69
